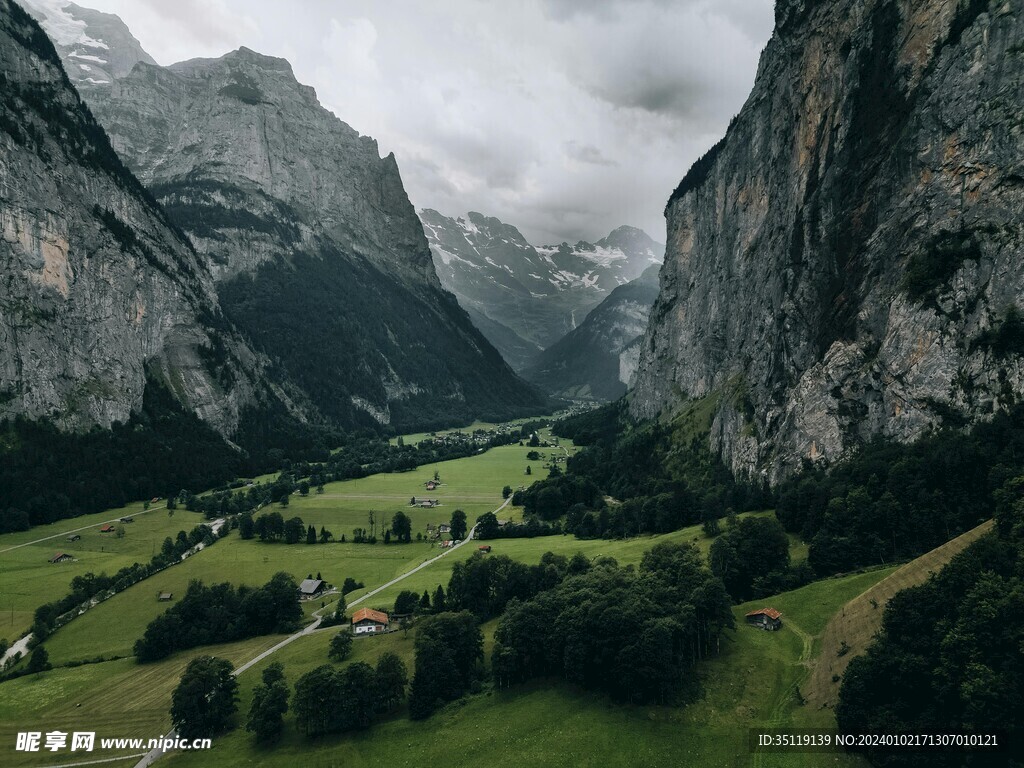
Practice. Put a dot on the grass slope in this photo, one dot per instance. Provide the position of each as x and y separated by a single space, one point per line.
27 580
858 621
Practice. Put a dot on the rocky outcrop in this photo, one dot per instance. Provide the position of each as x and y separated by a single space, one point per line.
846 262
597 360
539 294
100 290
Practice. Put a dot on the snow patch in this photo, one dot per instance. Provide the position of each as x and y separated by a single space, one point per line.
86 57
63 28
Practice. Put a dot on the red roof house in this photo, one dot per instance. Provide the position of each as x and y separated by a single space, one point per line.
367 620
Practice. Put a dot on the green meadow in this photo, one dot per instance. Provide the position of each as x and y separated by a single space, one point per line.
28 580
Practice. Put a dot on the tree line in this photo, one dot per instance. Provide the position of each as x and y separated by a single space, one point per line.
221 613
636 635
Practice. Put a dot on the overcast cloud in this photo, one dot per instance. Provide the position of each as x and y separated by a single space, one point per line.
565 118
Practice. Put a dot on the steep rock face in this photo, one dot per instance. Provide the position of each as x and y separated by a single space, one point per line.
99 288
846 262
538 293
598 359
94 47
320 258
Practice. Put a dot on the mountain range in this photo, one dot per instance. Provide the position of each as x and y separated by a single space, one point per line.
526 298
186 234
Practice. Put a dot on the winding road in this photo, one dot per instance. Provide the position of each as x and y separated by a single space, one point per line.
156 754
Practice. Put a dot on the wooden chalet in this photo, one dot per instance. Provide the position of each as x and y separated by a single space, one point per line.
62 557
484 548
108 528
765 618
368 621
310 588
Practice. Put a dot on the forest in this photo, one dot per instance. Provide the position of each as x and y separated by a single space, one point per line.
948 658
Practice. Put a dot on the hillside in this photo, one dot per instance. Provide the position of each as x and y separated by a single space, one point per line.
855 625
539 294
849 252
596 360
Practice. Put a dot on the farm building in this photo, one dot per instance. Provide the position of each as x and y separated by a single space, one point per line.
444 528
165 597
765 618
427 504
108 528
127 519
431 485
484 548
61 557
74 537
310 588
367 620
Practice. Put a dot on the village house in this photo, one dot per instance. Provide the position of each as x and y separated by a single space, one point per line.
368 621
765 618
310 588
61 557
444 528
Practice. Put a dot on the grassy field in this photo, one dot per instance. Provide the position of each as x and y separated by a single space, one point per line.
27 580
547 723
473 484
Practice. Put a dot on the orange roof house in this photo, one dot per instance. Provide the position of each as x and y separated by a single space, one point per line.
367 620
108 528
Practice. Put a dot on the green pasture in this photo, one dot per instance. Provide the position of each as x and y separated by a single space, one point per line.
27 579
753 682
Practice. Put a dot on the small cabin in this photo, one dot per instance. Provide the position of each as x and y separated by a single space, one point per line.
484 548
61 557
431 485
367 621
108 528
165 597
127 519
74 537
310 588
765 618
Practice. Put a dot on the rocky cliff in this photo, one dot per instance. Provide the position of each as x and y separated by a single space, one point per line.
525 298
100 290
319 255
847 261
598 359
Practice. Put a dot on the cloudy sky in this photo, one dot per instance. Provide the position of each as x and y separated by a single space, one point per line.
565 118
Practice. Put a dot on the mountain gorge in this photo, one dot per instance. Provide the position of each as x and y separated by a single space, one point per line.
526 298
845 263
598 359
316 254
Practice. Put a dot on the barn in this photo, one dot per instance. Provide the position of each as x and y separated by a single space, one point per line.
765 618
107 529
61 557
368 621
